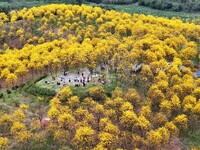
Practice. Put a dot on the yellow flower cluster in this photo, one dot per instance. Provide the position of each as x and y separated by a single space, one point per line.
52 37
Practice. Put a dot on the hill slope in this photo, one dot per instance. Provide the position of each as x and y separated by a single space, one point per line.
175 5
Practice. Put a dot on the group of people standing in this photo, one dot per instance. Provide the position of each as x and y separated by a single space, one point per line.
76 78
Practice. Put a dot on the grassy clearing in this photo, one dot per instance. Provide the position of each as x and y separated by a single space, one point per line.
42 84
81 91
192 139
12 101
15 98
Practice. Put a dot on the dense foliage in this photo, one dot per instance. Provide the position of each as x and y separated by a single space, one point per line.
158 102
7 5
58 37
136 9
175 5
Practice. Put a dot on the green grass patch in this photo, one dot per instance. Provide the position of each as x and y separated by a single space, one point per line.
52 86
134 9
82 92
192 139
110 87
40 91
13 100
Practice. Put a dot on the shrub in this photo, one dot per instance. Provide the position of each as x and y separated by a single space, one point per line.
144 2
16 103
196 7
83 95
174 5
156 4
109 94
8 91
13 88
97 93
96 1
167 5
177 7
1 95
65 93
116 1
107 7
21 85
35 90
5 109
5 7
